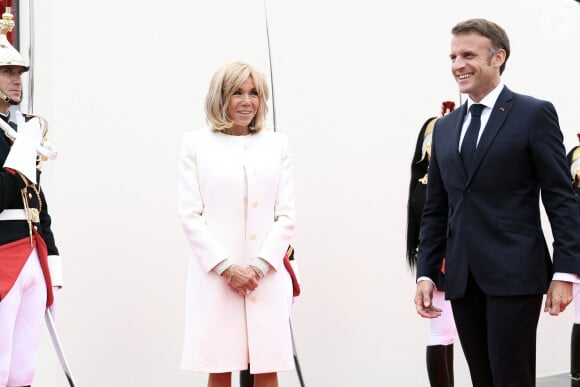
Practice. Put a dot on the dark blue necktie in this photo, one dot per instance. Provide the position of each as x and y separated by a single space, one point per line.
470 140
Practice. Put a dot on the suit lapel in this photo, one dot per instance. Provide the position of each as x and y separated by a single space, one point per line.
499 112
457 125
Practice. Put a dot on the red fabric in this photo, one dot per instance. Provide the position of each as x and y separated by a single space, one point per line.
3 5
288 265
43 257
443 266
14 256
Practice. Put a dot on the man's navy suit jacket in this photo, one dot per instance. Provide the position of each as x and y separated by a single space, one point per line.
487 220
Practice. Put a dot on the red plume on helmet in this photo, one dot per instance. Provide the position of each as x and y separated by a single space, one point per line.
447 107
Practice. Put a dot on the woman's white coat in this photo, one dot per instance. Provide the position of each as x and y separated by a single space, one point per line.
236 202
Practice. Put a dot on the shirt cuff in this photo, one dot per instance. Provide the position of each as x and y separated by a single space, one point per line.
222 266
425 279
567 277
55 269
262 265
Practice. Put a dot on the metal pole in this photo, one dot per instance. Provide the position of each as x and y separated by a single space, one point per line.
31 57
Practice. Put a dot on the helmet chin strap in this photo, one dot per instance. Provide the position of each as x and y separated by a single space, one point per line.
4 97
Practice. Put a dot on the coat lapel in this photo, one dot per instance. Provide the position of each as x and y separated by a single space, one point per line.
499 112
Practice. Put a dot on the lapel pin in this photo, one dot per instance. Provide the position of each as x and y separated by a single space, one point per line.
501 109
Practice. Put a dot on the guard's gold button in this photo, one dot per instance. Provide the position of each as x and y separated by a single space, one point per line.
29 195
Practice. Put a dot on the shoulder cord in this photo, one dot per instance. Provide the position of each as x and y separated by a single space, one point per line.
32 214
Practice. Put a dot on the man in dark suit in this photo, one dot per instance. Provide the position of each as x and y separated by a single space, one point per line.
488 166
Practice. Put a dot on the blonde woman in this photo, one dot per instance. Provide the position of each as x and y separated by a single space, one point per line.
236 203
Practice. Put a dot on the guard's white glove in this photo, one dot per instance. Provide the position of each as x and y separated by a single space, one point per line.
22 156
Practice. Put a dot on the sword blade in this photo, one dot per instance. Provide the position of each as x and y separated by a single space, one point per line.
58 347
296 363
267 17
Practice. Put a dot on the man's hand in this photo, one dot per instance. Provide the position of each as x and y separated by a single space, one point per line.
559 297
424 299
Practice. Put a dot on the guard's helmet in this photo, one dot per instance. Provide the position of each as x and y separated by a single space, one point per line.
9 56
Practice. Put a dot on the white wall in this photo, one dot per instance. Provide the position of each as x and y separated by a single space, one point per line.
354 82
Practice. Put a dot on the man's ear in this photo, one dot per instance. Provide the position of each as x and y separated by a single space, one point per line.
499 57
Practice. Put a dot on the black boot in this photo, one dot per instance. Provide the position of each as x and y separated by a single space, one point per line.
575 356
438 365
246 378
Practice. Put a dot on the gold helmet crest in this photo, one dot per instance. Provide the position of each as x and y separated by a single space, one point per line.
9 56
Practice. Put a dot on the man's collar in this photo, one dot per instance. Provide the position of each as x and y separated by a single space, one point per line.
5 117
489 99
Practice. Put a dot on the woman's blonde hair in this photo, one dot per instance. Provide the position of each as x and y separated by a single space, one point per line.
223 84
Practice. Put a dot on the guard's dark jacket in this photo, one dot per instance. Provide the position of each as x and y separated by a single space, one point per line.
14 234
11 198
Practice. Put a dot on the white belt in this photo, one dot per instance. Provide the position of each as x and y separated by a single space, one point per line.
17 214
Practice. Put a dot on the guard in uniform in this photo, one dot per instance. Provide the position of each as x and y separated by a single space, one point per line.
442 331
28 254
574 162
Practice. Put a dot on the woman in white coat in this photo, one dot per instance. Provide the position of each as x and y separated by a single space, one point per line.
236 203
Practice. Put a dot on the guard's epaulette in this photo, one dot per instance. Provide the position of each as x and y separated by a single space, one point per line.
430 126
576 154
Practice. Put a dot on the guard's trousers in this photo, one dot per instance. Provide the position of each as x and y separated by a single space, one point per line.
21 325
